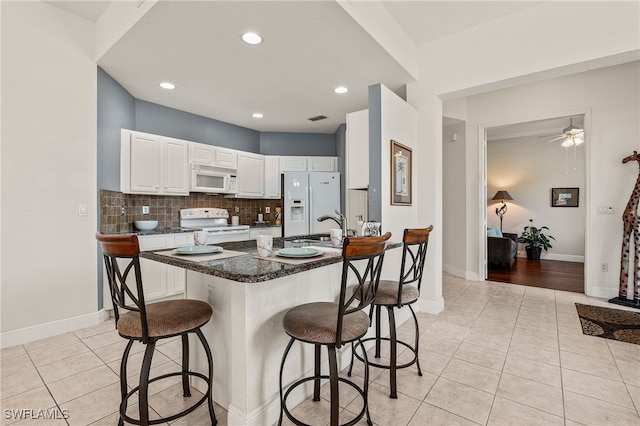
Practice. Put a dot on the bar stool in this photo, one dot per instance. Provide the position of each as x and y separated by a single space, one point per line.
396 294
150 323
334 324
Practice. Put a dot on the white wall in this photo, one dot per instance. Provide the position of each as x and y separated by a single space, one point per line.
528 167
453 183
48 167
610 98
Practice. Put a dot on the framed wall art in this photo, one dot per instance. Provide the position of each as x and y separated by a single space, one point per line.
564 197
401 169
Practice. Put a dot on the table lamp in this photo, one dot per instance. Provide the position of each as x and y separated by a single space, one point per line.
500 211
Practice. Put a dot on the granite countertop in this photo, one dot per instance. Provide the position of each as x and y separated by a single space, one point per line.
159 231
250 268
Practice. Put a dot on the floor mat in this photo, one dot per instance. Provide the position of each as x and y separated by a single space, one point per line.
610 323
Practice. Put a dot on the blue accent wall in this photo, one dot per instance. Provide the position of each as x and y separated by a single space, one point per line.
304 144
116 110
174 123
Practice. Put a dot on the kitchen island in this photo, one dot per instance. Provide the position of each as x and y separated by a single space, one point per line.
250 296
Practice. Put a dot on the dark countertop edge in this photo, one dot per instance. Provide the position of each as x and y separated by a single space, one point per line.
218 267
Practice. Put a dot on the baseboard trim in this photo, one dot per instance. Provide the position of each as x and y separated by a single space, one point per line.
555 256
431 306
54 328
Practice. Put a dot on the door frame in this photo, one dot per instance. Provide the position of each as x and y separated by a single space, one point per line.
482 187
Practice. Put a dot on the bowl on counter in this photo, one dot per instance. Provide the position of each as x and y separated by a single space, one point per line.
146 225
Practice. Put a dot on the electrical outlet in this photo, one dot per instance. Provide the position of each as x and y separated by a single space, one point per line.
82 209
604 267
145 209
237 209
123 211
267 209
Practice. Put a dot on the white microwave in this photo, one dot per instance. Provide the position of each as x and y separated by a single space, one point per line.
213 180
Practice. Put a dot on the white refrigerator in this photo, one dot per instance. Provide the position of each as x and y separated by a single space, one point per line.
307 196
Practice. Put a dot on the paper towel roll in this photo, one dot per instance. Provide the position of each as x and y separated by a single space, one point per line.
235 220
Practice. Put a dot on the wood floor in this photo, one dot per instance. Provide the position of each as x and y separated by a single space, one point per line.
553 274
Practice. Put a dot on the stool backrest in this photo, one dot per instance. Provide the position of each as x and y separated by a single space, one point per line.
414 251
124 295
370 249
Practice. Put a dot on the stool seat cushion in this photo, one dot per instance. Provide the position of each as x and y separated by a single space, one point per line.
387 293
165 319
316 323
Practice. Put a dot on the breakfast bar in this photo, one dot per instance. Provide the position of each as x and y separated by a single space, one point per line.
250 296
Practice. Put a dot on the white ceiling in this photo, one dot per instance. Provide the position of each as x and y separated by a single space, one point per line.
309 48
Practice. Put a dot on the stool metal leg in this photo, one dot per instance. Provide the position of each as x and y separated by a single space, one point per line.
378 339
316 375
365 386
143 390
207 349
333 383
284 357
394 352
186 390
123 381
415 321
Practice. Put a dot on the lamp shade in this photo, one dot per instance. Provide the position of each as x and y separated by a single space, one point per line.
502 195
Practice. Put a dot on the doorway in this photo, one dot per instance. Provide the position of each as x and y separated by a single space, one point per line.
531 161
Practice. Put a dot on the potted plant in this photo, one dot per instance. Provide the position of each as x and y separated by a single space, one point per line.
535 240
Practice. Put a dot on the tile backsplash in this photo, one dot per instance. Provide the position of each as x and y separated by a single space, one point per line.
166 209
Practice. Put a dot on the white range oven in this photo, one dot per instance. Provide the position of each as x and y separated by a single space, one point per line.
216 222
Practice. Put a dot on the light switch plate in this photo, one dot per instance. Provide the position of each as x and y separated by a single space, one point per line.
82 210
145 209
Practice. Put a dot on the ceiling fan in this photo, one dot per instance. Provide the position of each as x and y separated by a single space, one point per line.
572 135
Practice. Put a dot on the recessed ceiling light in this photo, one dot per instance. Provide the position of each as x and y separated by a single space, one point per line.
257 115
341 89
251 38
167 85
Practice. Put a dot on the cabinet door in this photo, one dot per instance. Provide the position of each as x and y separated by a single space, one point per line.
293 164
175 171
272 176
250 174
144 164
322 164
200 153
357 152
226 158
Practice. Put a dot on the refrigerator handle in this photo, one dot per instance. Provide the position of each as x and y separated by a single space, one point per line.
309 209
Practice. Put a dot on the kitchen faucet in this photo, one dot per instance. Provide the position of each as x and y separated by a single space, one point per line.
341 221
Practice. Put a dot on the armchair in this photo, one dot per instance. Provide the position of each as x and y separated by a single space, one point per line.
502 248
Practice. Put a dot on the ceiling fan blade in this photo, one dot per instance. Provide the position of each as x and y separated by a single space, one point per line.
557 139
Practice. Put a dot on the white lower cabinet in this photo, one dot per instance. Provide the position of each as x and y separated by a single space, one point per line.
160 281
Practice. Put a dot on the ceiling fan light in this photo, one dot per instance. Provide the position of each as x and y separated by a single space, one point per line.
578 140
567 143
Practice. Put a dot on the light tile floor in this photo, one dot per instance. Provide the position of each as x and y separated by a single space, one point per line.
499 354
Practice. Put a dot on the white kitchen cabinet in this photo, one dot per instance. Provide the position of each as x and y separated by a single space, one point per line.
357 152
200 153
227 158
322 164
293 164
151 164
308 164
160 281
250 175
272 179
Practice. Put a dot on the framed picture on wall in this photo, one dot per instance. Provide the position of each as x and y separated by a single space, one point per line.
400 174
564 197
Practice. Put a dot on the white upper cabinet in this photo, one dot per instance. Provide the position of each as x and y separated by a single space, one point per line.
308 164
272 176
357 152
201 153
152 164
293 164
322 164
250 175
226 158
